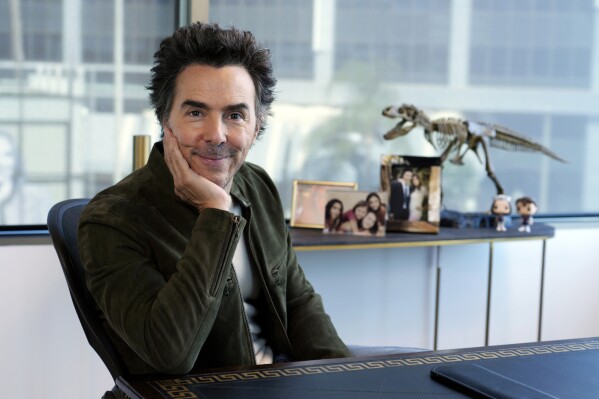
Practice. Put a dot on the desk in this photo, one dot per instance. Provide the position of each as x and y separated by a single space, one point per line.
315 240
312 240
565 369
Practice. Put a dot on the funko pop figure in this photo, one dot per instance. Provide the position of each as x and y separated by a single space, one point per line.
526 207
501 207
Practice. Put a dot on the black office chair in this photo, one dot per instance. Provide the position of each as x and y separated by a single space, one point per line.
63 220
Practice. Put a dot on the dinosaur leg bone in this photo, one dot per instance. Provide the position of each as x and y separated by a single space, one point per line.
489 168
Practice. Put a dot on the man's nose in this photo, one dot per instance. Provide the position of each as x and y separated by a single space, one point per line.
215 130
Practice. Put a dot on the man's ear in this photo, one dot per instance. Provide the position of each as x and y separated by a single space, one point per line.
256 133
165 127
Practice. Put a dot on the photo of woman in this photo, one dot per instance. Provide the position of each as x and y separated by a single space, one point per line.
366 214
376 205
417 198
351 218
369 225
332 215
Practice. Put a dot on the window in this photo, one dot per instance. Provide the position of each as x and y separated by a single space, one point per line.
68 107
532 43
489 60
69 104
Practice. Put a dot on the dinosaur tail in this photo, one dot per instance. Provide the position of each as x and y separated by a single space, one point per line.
529 146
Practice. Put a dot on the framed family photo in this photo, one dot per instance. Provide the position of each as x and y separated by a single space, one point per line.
360 213
414 188
308 200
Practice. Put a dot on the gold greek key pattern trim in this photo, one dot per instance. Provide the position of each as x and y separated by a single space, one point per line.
177 387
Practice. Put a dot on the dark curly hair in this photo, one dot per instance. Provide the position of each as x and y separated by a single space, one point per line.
211 45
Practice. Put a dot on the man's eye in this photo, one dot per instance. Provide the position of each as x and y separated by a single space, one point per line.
236 116
195 113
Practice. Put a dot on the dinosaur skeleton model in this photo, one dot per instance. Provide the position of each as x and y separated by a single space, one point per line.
452 134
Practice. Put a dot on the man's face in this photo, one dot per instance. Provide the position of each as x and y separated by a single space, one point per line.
407 176
213 118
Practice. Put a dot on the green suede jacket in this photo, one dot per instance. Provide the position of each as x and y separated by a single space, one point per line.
161 275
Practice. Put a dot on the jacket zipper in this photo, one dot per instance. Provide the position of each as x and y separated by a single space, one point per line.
246 322
232 236
267 293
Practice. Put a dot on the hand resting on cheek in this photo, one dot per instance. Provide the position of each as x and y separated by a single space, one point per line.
190 186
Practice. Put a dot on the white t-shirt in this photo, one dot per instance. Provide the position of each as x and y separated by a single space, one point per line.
249 286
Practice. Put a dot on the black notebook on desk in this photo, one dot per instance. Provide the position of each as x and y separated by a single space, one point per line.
563 374
481 382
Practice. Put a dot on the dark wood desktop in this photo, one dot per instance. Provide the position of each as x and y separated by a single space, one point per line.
563 369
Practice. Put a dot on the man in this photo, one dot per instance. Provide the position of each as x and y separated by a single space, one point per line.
189 258
399 201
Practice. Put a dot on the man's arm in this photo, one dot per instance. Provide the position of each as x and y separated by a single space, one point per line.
159 292
164 322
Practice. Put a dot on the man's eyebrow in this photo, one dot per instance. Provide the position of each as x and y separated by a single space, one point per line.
237 107
203 105
194 104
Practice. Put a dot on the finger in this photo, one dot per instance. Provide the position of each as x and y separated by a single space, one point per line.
177 165
189 185
173 156
170 146
184 178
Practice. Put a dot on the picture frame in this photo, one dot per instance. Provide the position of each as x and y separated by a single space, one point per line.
308 200
414 187
360 213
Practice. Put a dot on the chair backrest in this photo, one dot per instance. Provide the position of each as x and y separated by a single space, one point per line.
63 220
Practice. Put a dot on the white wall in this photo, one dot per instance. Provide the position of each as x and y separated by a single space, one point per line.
43 350
572 290
375 297
386 297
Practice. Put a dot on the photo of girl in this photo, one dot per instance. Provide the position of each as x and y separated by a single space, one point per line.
350 219
369 225
418 198
365 214
376 205
332 215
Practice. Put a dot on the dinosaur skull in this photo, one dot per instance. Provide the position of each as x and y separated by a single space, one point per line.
401 129
407 115
408 112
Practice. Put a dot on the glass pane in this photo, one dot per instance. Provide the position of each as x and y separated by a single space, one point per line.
492 61
64 91
68 107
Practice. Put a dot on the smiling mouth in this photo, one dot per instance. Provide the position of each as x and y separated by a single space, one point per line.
211 157
214 152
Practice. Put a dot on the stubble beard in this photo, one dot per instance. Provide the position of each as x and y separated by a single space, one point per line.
217 151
